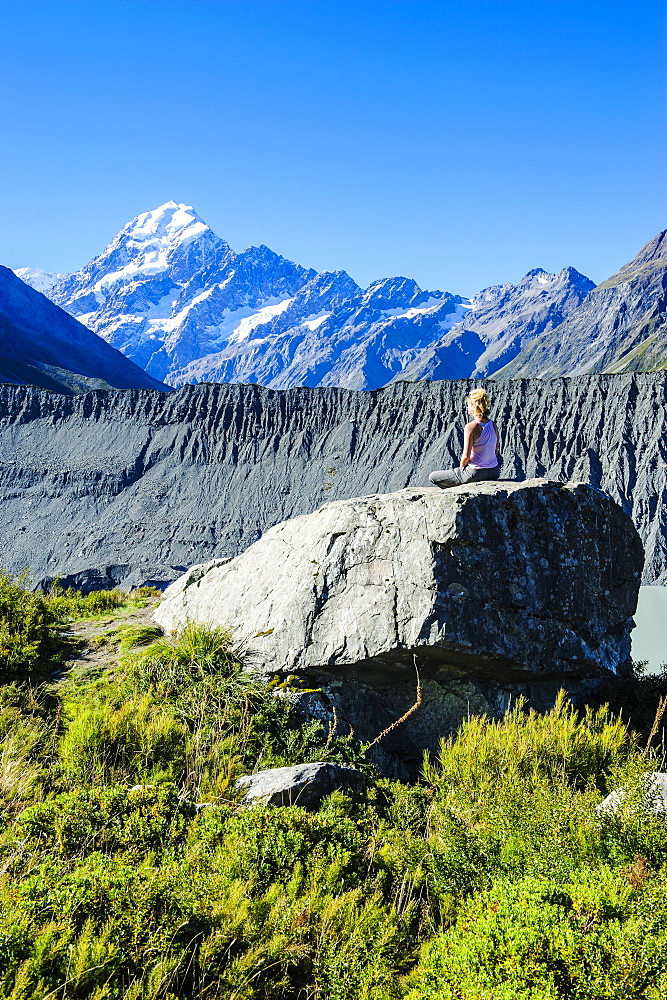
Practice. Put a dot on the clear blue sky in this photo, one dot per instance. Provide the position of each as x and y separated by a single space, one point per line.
459 142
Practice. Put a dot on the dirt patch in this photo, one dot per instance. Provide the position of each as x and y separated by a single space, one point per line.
95 641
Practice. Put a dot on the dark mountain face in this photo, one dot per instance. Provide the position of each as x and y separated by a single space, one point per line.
41 344
621 326
132 486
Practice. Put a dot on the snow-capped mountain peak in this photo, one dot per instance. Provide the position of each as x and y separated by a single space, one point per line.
176 299
155 242
171 223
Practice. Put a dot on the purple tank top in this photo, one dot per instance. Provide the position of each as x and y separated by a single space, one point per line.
484 448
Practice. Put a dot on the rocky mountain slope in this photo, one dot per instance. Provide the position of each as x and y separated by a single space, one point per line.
42 345
620 327
506 318
356 338
140 485
176 299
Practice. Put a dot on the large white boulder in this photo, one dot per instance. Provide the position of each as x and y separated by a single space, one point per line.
493 590
531 577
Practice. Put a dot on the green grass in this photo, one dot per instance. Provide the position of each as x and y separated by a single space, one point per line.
32 647
73 605
130 870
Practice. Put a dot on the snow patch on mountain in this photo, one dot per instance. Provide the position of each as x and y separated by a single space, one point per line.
315 321
264 315
430 304
41 281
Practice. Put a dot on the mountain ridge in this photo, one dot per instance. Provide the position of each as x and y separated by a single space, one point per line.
41 344
178 301
621 326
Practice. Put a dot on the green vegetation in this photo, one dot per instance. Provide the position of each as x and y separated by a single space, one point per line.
32 623
129 869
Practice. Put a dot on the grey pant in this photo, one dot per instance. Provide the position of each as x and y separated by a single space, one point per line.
446 478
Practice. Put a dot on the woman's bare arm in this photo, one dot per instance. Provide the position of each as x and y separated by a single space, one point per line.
470 435
495 427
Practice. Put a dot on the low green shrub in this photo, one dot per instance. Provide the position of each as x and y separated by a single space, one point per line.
528 745
597 936
107 819
131 872
30 646
262 846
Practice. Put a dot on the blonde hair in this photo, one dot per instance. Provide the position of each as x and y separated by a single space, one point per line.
480 402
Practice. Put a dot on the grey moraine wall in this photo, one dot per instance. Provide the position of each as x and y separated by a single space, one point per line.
124 487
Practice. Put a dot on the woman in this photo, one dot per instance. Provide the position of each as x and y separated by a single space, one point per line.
479 460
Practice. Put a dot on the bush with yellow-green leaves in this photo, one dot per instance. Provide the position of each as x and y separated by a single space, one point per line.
130 870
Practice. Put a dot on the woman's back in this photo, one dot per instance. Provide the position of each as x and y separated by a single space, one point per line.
479 459
484 447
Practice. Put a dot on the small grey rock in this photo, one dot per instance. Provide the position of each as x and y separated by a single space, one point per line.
655 787
302 785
